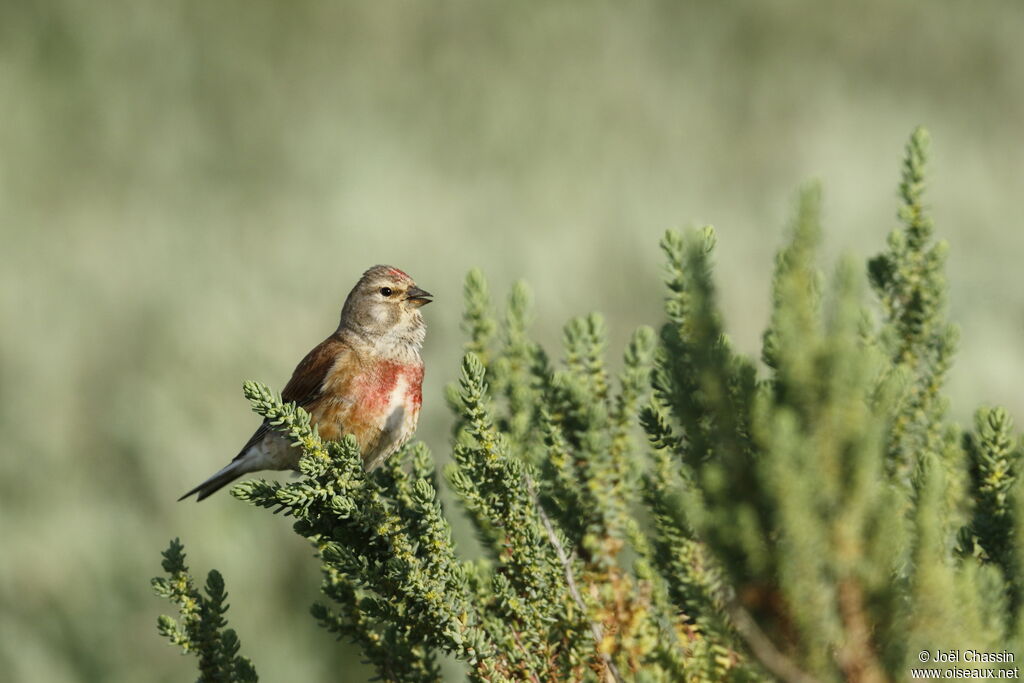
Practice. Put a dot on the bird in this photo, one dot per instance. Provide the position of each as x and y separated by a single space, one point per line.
365 379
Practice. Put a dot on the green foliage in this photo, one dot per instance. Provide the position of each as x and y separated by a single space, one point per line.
201 629
994 458
829 491
820 522
910 283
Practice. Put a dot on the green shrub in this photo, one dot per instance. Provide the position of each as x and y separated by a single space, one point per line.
692 518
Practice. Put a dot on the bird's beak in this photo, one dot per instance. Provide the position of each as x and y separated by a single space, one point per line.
418 297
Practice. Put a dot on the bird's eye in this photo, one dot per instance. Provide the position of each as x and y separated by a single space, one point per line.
386 291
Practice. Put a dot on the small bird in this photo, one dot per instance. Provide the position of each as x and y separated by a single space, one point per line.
366 379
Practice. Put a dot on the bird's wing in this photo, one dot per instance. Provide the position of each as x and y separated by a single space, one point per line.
306 383
308 378
256 437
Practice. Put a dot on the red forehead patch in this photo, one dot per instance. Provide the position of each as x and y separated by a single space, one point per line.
398 273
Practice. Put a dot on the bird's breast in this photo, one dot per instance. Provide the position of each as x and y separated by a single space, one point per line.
371 400
387 385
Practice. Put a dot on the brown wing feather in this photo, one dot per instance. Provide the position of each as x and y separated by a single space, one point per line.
306 383
308 378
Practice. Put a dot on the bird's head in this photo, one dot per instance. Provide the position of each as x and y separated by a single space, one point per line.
385 305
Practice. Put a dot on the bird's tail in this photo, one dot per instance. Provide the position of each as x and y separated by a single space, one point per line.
233 471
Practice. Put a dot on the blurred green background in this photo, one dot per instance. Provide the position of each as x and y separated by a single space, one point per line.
189 189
